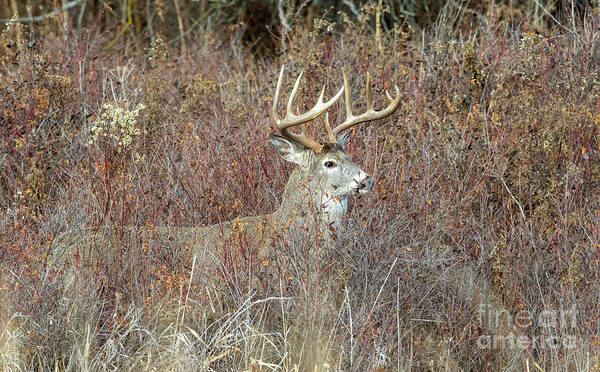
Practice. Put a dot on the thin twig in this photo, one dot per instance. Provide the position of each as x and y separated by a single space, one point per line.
378 27
551 16
383 285
351 326
514 199
180 25
188 290
282 17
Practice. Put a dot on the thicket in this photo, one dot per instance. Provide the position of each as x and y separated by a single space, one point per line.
118 114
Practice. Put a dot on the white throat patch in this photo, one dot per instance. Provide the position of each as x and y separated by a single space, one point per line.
334 206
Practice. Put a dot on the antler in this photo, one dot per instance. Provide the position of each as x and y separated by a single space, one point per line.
291 119
370 114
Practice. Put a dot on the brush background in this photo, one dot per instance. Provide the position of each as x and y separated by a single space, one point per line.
490 166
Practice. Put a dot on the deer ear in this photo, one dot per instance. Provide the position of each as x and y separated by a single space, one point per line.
289 150
343 139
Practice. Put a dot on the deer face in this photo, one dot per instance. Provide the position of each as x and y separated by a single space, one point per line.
333 170
325 168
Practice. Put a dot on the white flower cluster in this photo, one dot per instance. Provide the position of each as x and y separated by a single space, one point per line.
116 126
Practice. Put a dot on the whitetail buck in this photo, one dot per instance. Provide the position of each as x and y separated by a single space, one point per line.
316 194
314 200
315 197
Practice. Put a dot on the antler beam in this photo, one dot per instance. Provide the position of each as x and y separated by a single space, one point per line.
291 119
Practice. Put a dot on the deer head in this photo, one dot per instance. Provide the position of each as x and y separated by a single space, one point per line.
325 172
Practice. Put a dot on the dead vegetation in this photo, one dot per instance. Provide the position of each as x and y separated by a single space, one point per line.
479 249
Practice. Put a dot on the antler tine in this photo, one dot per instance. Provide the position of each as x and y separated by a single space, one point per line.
274 114
371 113
291 119
328 128
294 93
347 95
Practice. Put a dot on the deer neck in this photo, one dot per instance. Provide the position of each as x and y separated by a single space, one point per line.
304 201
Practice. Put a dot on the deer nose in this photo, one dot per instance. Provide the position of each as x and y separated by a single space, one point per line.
367 183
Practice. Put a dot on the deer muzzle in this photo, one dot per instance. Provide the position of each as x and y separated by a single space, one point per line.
365 183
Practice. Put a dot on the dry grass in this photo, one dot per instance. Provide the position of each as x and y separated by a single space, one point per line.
483 230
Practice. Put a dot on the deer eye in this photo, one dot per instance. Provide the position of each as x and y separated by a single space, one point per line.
329 164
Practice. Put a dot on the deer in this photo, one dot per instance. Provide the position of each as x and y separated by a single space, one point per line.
315 197
324 177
